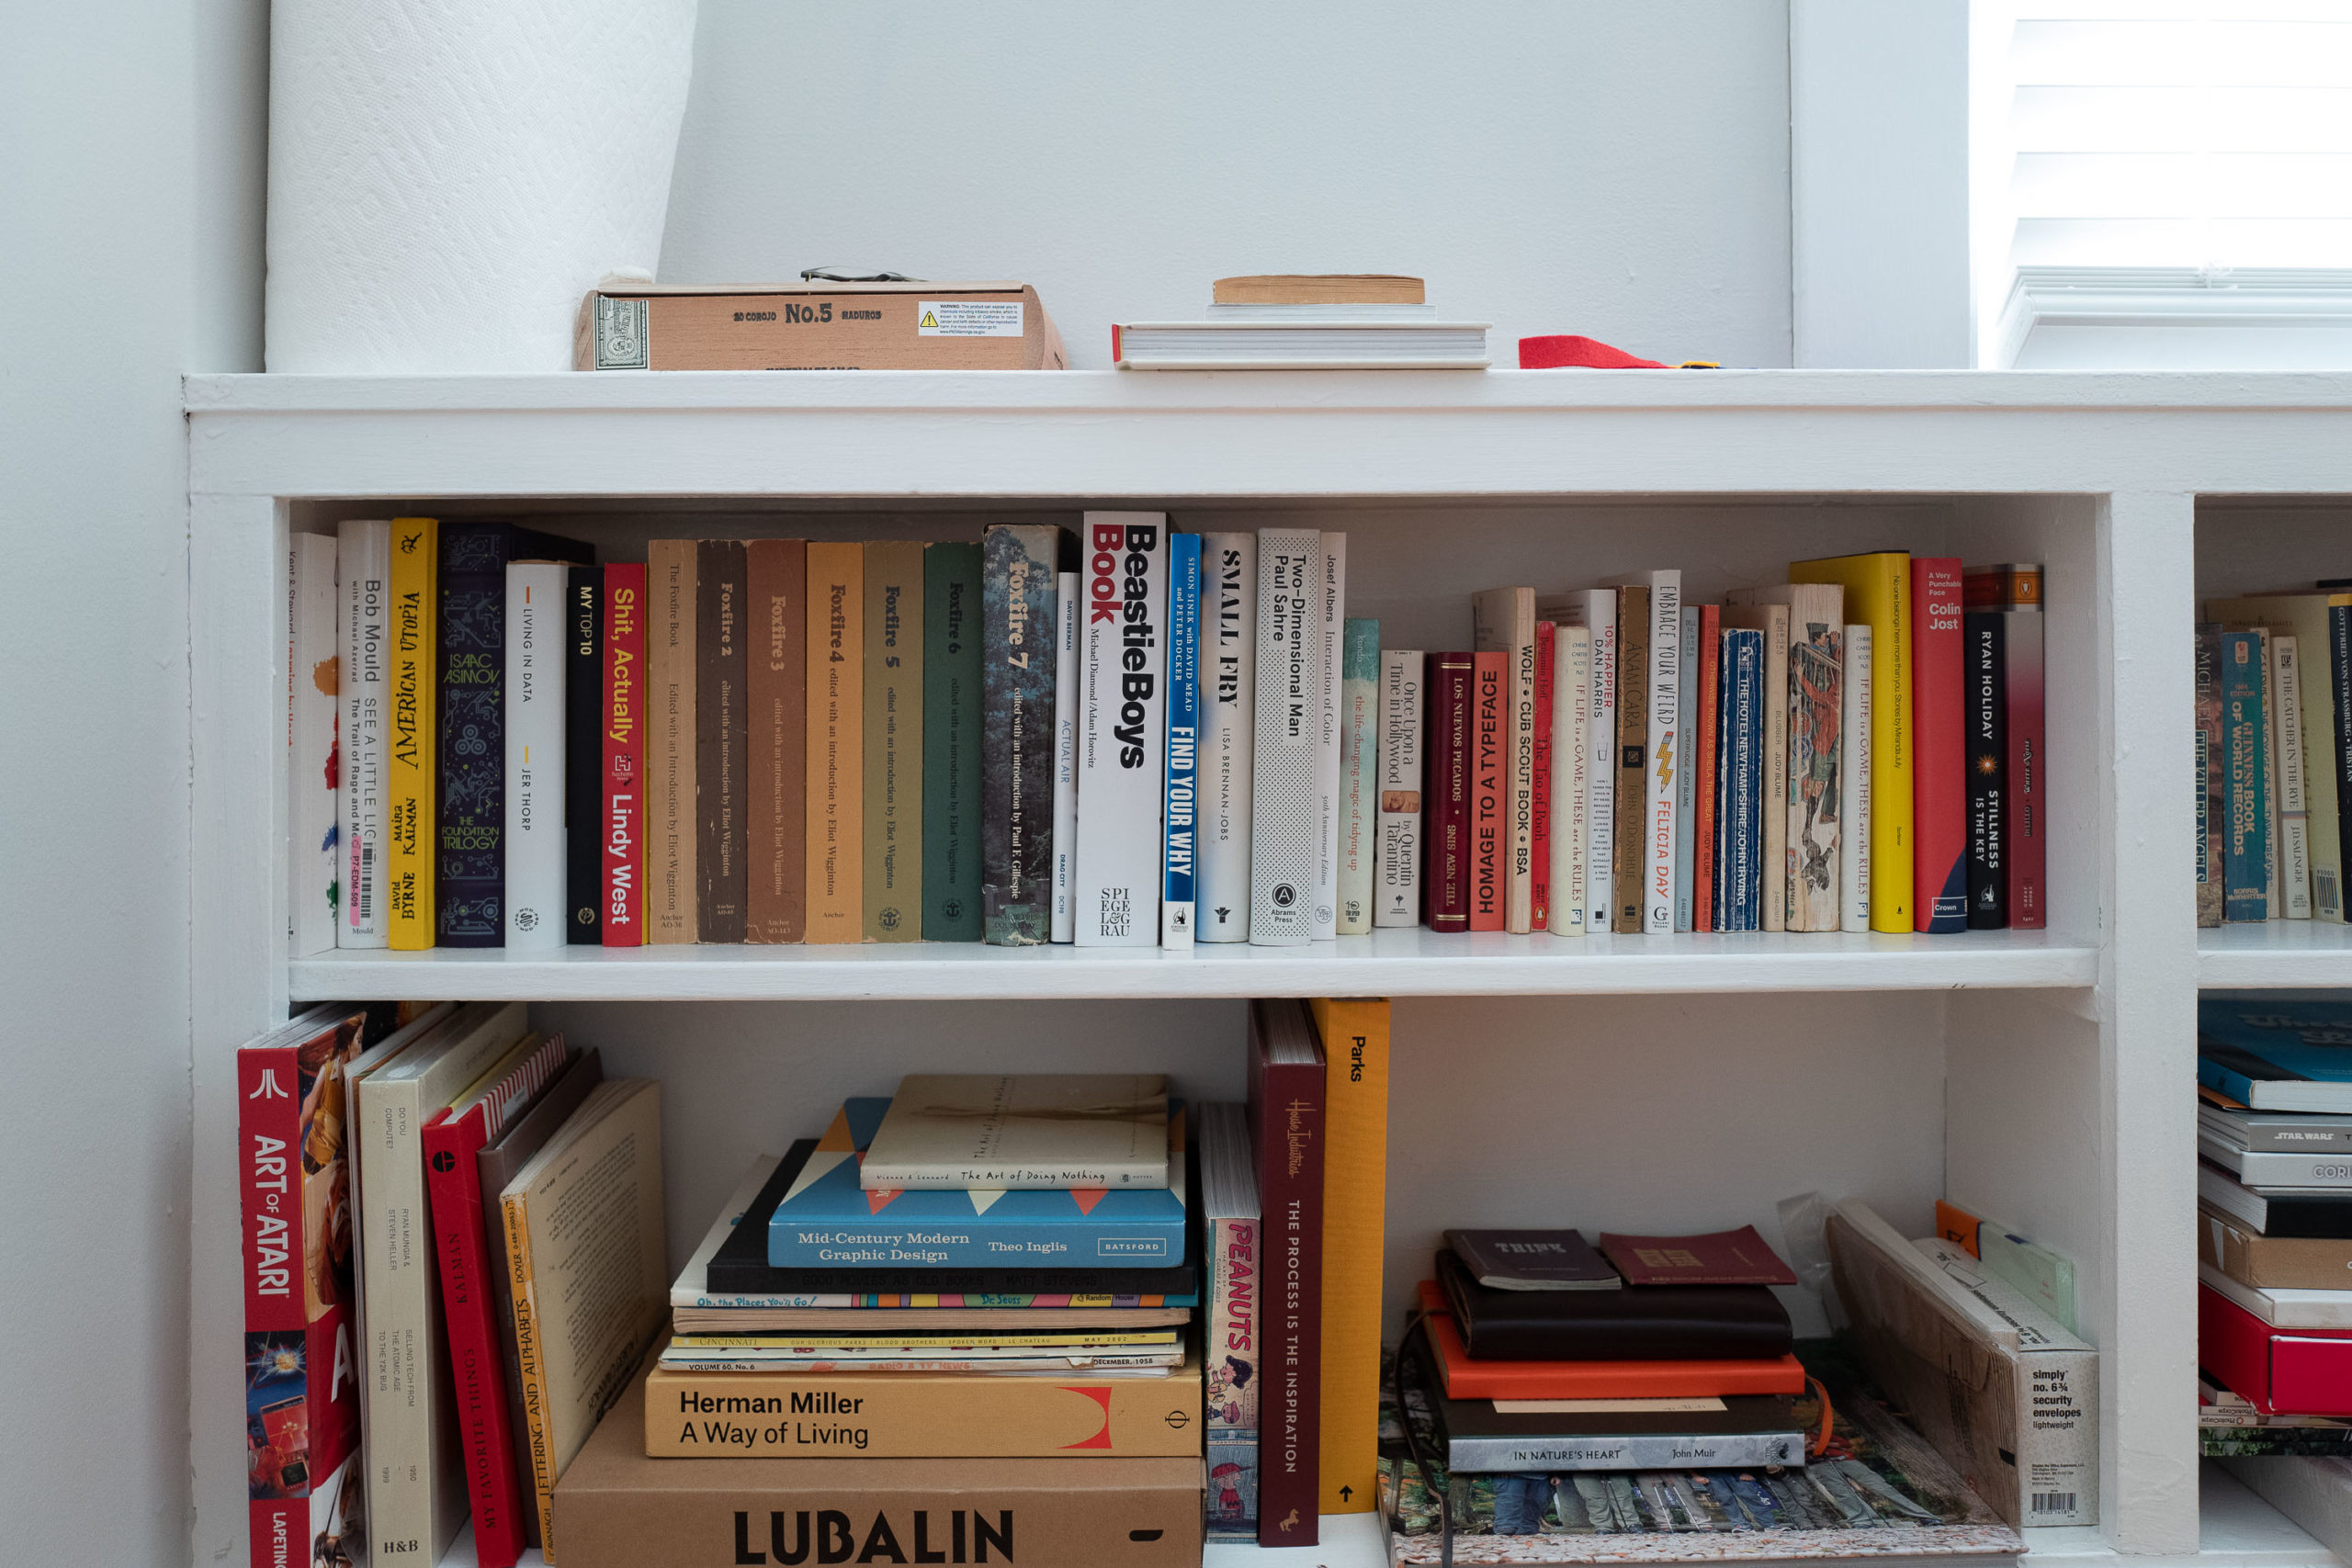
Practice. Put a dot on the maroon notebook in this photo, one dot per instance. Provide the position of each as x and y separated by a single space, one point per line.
1286 1134
1445 796
1727 1257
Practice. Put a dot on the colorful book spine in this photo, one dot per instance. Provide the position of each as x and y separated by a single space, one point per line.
315 802
1768 611
1489 790
2246 837
722 712
1229 707
584 756
2213 777
1020 565
1070 632
1284 810
1288 1133
1854 780
1630 835
537 854
1813 805
833 835
1121 729
892 860
2293 853
300 1375
1706 744
1404 680
1502 620
951 744
1595 610
776 741
1743 774
363 552
1359 774
1985 762
1232 1366
1940 793
1331 571
1539 912
1446 796
672 569
1878 594
1179 808
1686 774
477 1371
412 746
1572 694
1665 741
621 843
1355 1034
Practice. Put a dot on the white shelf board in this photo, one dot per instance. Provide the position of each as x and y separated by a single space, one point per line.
1348 1540
1401 962
904 436
2274 953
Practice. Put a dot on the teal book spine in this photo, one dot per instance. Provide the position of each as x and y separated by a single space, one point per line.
2246 843
951 744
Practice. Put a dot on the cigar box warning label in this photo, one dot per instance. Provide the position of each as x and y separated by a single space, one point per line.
622 343
969 318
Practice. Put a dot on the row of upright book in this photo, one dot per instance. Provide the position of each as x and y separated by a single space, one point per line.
1134 736
2274 755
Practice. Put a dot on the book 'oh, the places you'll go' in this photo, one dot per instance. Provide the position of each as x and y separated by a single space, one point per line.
1042 1130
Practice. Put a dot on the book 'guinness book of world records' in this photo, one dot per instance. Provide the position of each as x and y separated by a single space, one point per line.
1122 741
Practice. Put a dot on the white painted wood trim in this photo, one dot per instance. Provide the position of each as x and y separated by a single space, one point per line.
2146 598
2274 954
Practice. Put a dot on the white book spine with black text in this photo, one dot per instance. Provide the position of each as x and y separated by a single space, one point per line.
1398 893
1572 771
365 559
1663 685
535 864
1331 570
1595 609
1283 809
1228 699
1121 729
313 660
1066 638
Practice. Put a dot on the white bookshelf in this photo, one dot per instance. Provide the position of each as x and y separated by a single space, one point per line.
1645 1084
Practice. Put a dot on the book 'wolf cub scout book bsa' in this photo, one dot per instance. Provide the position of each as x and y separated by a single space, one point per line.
1042 1130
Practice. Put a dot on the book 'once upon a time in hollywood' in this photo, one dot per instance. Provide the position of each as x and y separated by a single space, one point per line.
1037 1130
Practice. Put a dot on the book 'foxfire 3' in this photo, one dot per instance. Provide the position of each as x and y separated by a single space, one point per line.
1122 745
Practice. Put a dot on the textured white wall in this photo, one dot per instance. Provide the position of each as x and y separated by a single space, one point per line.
129 208
1549 165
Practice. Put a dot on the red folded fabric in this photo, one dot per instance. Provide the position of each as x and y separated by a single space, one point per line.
1563 352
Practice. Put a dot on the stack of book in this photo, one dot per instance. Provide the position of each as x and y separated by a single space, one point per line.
1134 737
2274 1193
1306 321
2274 739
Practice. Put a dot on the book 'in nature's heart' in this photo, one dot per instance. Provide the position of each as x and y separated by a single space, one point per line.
1726 1257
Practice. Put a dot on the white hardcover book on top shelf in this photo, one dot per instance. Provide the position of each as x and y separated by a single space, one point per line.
1595 609
364 551
1572 770
1229 701
1283 809
1121 729
1362 335
1397 894
1663 683
536 859
1042 1130
1332 569
1854 785
1066 636
314 805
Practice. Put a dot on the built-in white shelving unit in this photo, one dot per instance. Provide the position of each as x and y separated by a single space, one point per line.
1647 1084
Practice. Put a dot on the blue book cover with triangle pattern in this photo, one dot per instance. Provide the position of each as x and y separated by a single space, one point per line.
828 1221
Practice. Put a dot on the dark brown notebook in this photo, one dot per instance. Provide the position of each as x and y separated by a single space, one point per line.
1639 1323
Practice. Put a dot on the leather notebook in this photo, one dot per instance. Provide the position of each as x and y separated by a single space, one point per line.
1639 1323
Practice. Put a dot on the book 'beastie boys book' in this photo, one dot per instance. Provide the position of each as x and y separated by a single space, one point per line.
1122 739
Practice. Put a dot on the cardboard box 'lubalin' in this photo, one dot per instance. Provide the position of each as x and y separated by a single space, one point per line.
616 1508
815 326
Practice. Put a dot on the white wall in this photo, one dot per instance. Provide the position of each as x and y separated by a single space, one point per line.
1549 165
128 233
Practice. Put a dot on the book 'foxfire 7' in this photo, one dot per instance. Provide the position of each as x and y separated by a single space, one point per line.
1019 562
1122 744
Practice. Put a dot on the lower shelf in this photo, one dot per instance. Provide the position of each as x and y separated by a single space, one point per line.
1398 963
2270 954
